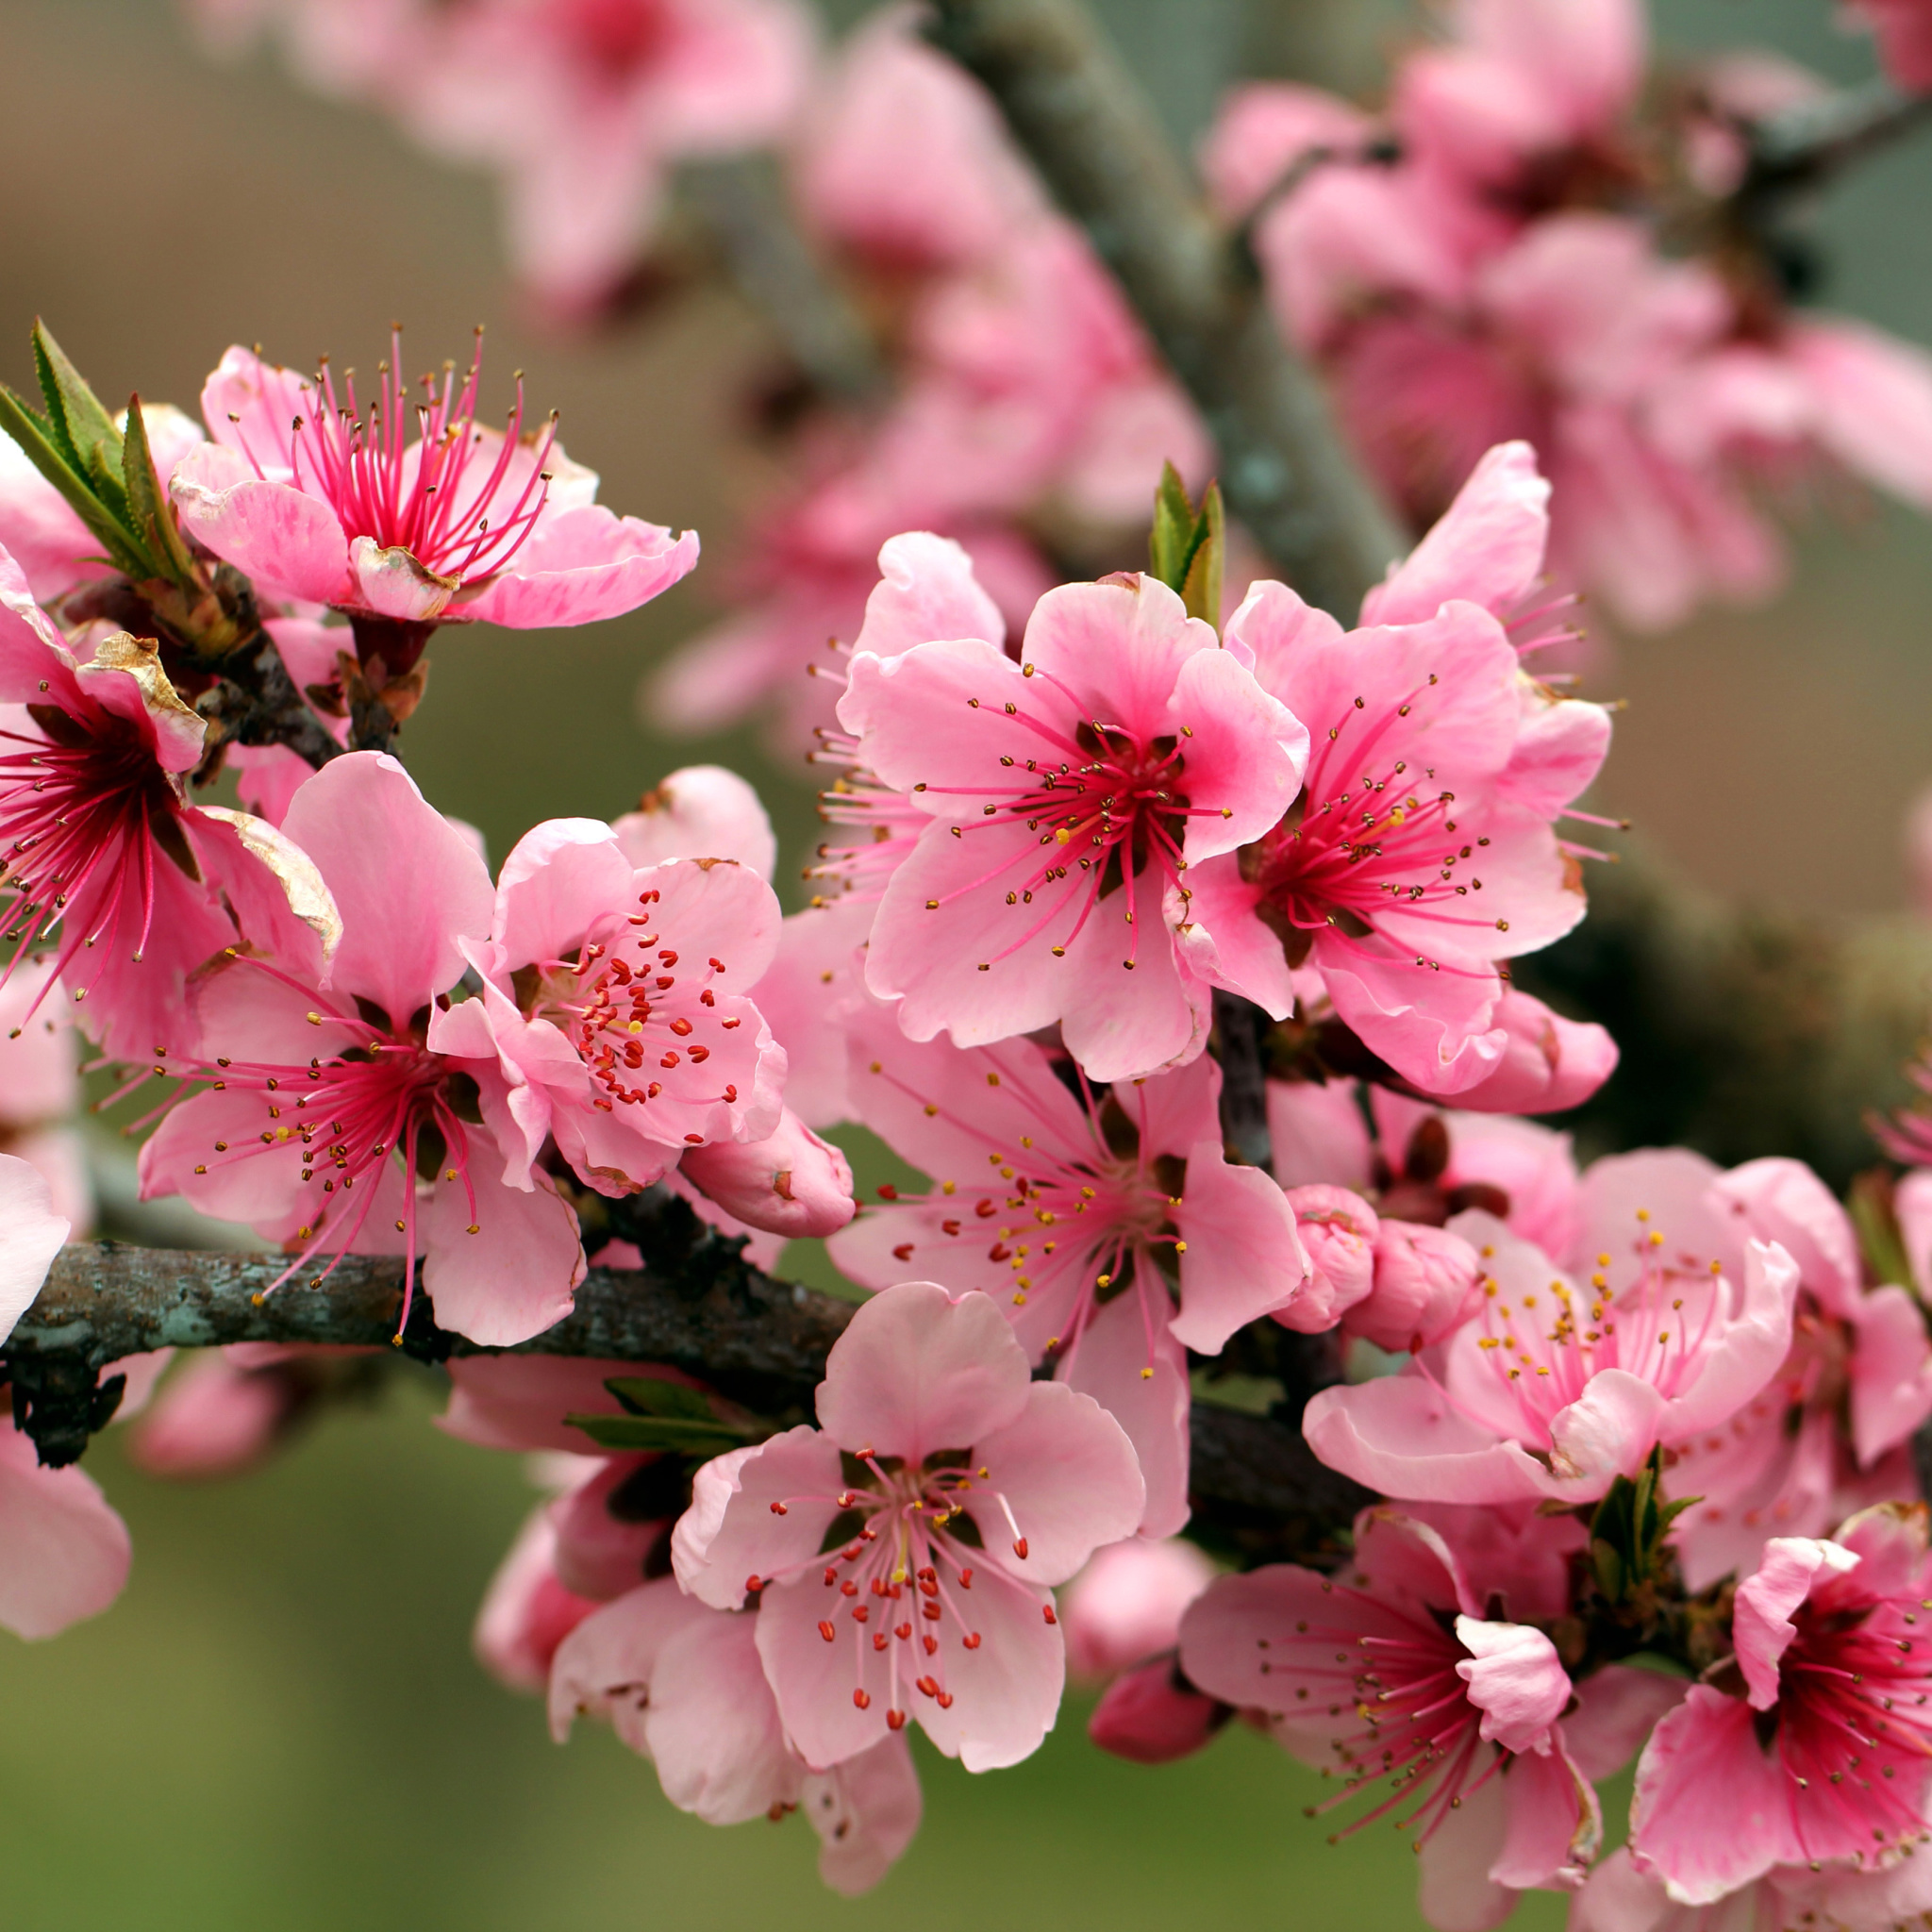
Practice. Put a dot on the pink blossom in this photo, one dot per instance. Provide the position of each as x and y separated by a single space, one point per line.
1338 1233
1623 1896
700 811
582 107
928 1414
134 888
1677 1331
614 1010
1153 1715
791 1183
1824 1756
386 1112
902 160
1146 748
1126 1604
526 1612
1548 1063
1464 1711
684 1686
1082 1218
1424 1286
318 495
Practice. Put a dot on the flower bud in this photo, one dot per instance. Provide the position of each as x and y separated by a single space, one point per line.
1426 1283
1550 1062
1154 1715
1126 1604
792 1183
1338 1231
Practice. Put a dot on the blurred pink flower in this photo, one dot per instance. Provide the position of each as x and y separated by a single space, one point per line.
1125 1606
1904 31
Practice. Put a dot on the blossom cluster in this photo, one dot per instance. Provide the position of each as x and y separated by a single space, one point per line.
1169 937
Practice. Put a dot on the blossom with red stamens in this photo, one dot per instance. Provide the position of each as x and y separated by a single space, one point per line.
331 1119
1421 853
1827 1755
1067 797
1554 1389
903 1553
407 513
1085 1217
105 860
1394 1681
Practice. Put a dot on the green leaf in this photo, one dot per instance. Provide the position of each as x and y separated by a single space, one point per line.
149 511
648 1395
1187 548
35 437
666 1434
1875 1220
86 434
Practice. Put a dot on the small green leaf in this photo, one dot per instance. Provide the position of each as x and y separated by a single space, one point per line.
665 1435
86 433
1875 1220
150 513
649 1396
1187 548
36 438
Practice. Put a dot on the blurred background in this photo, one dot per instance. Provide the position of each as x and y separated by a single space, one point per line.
279 1725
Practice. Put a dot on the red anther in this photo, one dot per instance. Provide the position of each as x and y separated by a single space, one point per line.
863 1699
665 982
670 1059
852 1550
896 1720
831 1577
878 1639
827 1631
868 1535
985 1211
944 1700
879 1586
932 1644
887 1192
930 1612
971 1639
698 1055
903 1252
928 1574
1046 1611
999 1252
844 1499
780 1509
927 1587
681 1026
848 1587
965 1579
930 1686
667 959
717 965
903 1632
754 1584
860 1612
1020 1549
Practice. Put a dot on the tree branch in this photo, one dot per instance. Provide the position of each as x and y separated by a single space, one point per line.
1808 143
1082 119
700 1307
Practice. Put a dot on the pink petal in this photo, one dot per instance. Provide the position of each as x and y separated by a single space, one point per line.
66 1551
1243 1259
1147 1717
712 1726
1515 1679
1891 1373
31 1234
1753 1345
791 1183
512 1278
917 1371
1783 1200
559 880
731 1534
1549 1063
390 582
1116 1347
1126 1604
288 542
1608 1431
1487 548
526 1613
700 811
1761 1622
1435 1028
1262 128
408 883
1400 1437
865 1812
1272 625
926 591
595 1552
1319 1134
1617 1707
582 565
603 1667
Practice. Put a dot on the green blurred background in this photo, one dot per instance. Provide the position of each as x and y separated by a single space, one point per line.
279 1726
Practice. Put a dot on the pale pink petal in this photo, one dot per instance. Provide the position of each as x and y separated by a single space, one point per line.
1761 1622
559 878
1243 1257
1608 1431
1617 1707
598 1552
582 565
1891 1373
214 1418
526 1613
1755 1342
1262 128
865 1812
1339 1233
1487 548
31 1234
513 1276
1126 1604
391 583
519 1402
1548 1063
401 915
1912 1202
700 811
926 591
1783 1200
712 1726
64 1552
1118 1346
791 1183
1872 395
1399 1436
1319 1134
288 542
917 1371
731 1534
602 1668
1515 1679
1436 1028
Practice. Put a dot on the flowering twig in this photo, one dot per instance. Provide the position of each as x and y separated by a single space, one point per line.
1809 143
1085 123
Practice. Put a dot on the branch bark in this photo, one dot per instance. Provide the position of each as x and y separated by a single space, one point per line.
700 1307
1082 119
1808 143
